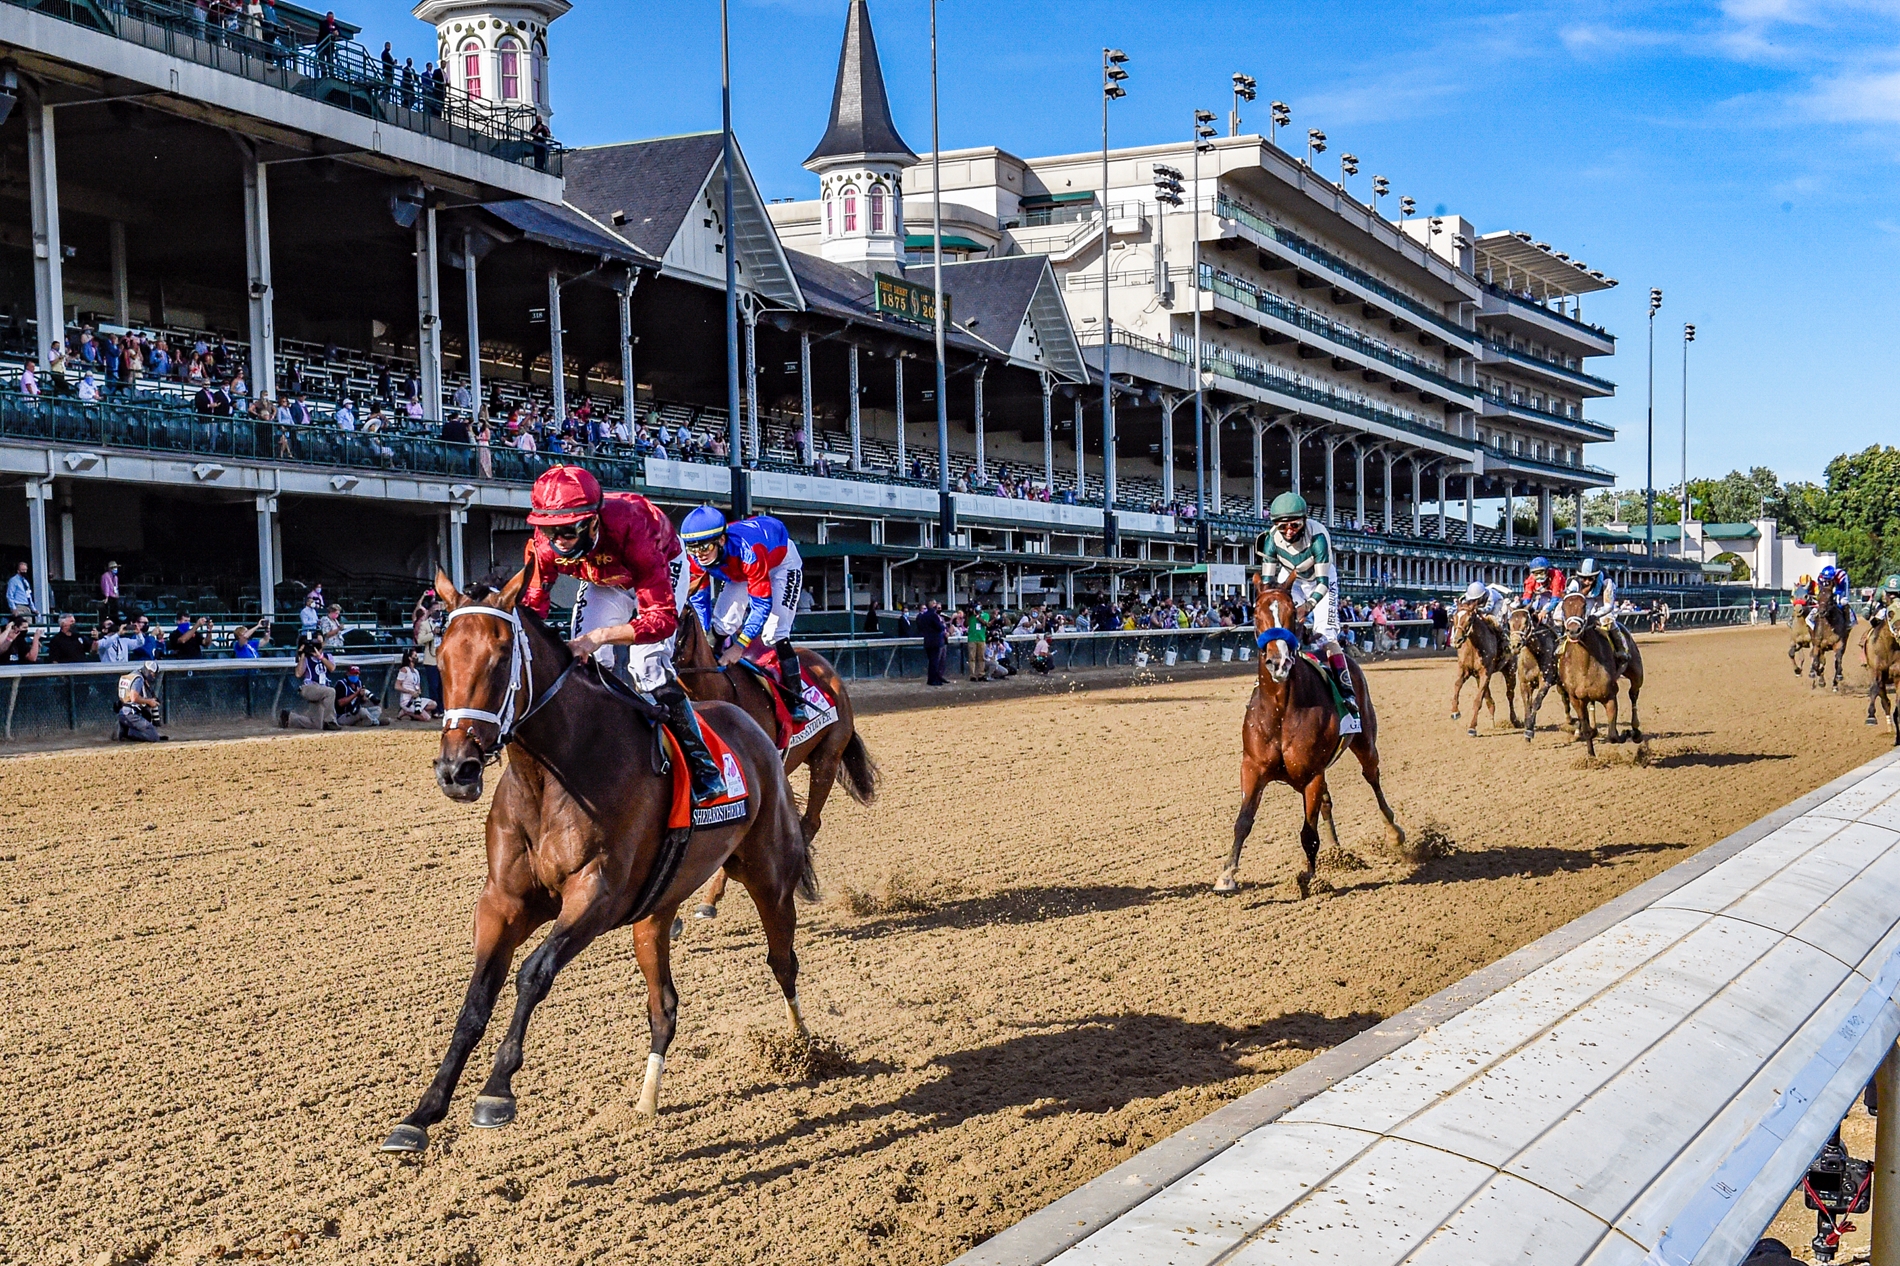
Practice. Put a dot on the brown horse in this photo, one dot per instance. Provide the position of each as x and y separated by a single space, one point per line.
1291 735
836 749
1535 646
1800 637
578 834
1883 665
1588 670
1830 634
1483 653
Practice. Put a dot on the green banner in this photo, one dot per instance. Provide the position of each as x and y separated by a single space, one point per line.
900 299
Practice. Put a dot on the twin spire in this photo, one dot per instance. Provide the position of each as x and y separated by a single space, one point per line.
861 129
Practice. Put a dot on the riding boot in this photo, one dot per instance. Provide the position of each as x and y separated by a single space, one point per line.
1337 661
708 783
791 683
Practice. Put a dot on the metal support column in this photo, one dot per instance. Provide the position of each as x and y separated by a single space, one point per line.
857 428
557 356
1385 465
897 395
1471 527
458 560
809 446
1215 472
982 465
1510 513
429 315
1332 446
42 178
629 394
121 280
1884 1217
1418 491
263 315
1579 520
1048 437
1546 520
751 437
1294 438
1169 403
1444 520
68 569
266 554
472 307
1259 468
1359 454
38 493
1081 452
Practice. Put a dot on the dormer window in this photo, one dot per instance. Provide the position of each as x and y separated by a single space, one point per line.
877 210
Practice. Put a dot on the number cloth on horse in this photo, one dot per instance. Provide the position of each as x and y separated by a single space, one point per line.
821 710
727 806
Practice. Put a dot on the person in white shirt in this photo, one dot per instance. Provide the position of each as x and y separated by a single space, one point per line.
30 379
345 416
88 389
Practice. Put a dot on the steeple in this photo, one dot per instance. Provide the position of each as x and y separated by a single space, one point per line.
861 160
861 126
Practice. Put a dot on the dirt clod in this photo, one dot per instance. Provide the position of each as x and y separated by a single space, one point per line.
790 1057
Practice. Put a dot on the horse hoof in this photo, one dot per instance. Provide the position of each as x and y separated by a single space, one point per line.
1455 715
1870 721
1305 881
492 1112
1473 731
679 927
406 1138
708 911
1226 883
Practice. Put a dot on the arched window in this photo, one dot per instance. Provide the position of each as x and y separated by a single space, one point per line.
829 230
851 210
877 210
472 68
509 55
538 69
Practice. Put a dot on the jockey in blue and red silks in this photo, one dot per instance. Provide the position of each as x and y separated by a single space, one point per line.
762 576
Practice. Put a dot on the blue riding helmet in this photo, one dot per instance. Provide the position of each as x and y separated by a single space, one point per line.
703 524
1828 574
1540 563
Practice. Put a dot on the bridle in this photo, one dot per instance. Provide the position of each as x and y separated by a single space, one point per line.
520 681
1275 632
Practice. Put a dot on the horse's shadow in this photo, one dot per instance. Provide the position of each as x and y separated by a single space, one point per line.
1036 904
1094 1064
1533 861
1714 760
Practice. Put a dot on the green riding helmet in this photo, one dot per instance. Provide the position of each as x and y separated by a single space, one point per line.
1288 505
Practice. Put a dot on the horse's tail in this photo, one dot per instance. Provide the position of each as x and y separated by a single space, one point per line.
859 772
808 877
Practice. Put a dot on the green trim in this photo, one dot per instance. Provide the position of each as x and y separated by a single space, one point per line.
951 242
1032 200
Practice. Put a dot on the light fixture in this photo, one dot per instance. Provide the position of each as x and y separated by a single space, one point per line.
1688 333
1655 299
1407 205
1315 144
1243 91
1282 116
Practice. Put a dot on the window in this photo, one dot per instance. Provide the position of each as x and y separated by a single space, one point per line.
509 55
877 210
829 230
851 211
472 68
537 67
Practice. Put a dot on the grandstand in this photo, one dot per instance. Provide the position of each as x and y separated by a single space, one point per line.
327 234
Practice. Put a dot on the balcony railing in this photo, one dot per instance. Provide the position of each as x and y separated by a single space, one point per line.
1244 293
1544 365
1229 209
1548 418
1511 296
336 72
147 428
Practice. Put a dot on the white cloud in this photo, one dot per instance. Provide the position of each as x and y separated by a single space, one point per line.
1857 97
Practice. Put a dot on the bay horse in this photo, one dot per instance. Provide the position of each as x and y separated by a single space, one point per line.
1883 665
1587 669
578 834
1291 735
1534 644
1829 634
1483 653
837 750
1800 636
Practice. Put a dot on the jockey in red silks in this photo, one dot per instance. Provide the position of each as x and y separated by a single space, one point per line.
763 576
627 556
1544 587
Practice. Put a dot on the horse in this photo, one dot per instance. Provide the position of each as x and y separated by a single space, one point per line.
1535 645
1883 665
1482 654
836 750
1800 636
1291 734
1830 634
1588 670
578 834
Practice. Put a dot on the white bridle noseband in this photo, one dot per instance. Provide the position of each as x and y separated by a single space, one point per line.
519 677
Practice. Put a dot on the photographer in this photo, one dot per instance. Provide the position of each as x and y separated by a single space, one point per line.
19 644
355 705
188 640
69 646
138 705
244 639
314 667
410 701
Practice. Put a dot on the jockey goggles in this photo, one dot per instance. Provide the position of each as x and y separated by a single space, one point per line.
574 540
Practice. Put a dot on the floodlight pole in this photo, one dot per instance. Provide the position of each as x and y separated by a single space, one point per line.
741 493
1111 538
946 504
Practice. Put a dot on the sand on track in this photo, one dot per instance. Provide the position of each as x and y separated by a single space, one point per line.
230 968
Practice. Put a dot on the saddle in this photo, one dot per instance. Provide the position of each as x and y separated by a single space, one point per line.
1348 720
821 710
731 804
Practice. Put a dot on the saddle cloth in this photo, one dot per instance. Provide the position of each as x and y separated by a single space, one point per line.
821 710
1348 720
729 807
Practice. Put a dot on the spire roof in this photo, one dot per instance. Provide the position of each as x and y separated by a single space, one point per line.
861 125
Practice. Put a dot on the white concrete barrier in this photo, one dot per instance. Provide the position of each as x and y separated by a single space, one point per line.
1645 1085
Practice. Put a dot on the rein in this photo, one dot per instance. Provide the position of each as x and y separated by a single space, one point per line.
520 680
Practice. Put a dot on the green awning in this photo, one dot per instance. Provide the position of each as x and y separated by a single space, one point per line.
1730 531
1055 199
951 242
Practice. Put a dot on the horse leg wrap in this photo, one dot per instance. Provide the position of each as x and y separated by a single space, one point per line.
650 1089
796 1015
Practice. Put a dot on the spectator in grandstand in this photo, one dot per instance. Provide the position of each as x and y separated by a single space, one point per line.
525 440
161 363
244 639
484 451
438 89
20 592
19 644
56 367
346 414
189 639
976 632
917 467
311 614
936 642
542 139
30 379
425 629
88 388
69 646
328 33
385 392
149 647
461 399
88 346
355 705
389 70
138 704
1441 623
212 401
313 670
410 701
330 627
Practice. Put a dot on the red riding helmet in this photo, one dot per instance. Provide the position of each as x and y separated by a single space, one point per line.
564 494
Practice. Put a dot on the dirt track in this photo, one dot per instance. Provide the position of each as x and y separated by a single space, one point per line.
231 967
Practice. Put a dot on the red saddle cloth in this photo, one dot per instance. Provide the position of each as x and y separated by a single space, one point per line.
821 710
728 807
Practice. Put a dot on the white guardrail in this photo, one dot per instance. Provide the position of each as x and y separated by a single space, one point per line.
1644 1086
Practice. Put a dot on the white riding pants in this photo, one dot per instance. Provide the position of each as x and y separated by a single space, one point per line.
1324 617
601 607
788 581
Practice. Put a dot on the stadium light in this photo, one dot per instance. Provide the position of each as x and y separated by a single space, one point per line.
1688 337
1282 116
1113 59
1649 468
1380 188
1243 91
1315 144
1348 166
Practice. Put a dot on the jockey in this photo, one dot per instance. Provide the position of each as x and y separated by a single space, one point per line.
1831 580
1802 594
1886 598
1487 600
1544 587
1300 549
628 559
1599 593
762 575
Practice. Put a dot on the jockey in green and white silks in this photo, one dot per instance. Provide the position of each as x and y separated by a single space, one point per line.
1300 550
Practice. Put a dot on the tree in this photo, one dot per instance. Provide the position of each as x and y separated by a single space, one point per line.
1737 564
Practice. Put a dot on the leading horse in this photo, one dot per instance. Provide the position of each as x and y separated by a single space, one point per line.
836 750
578 834
1291 734
1588 669
1831 624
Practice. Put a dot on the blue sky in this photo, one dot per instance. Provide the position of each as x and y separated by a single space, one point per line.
1742 156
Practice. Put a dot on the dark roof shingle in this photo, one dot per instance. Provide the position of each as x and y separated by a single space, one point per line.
652 183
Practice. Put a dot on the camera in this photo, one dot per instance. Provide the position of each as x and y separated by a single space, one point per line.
1836 1185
